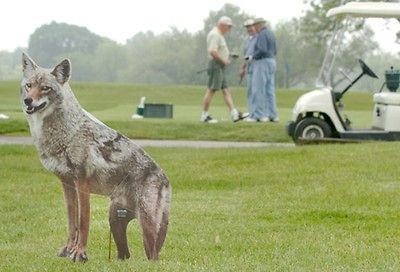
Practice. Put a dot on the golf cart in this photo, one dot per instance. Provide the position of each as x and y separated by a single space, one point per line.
317 114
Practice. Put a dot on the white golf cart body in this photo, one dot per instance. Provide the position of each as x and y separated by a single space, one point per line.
386 111
320 104
319 101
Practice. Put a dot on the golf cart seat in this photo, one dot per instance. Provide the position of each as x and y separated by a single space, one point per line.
387 98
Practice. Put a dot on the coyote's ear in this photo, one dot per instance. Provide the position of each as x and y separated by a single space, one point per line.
28 65
62 71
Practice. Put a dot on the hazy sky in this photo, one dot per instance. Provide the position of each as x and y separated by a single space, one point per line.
120 20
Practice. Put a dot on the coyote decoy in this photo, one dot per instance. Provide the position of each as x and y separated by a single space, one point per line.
89 157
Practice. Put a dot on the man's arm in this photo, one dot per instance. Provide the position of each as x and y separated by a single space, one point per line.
261 47
242 72
217 57
272 42
243 67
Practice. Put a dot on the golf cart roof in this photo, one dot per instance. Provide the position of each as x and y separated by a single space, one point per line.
367 9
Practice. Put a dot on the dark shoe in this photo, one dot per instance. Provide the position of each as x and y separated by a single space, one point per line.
240 116
209 120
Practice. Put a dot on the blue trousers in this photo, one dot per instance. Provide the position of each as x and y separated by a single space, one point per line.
263 89
251 99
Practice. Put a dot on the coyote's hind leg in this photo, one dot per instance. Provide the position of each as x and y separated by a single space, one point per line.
119 219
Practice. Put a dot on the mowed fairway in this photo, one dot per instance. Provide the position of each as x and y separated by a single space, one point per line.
313 208
115 103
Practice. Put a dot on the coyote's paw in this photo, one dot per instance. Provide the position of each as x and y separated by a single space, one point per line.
64 252
78 254
124 255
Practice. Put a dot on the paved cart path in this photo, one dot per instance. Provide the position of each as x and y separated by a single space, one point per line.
22 140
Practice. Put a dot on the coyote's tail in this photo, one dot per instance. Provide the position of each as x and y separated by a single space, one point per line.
154 209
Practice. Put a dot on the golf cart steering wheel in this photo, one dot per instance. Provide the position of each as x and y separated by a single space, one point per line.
366 70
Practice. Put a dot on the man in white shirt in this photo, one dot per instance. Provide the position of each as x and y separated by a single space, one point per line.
219 58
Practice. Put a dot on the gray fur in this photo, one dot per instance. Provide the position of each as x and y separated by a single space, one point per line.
28 65
75 146
62 71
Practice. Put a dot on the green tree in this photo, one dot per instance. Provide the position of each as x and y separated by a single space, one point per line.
52 40
108 61
10 64
143 60
177 61
5 65
297 60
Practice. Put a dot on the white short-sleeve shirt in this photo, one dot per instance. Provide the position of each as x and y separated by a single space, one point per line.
216 41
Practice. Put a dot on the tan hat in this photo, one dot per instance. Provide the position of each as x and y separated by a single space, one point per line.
248 22
225 20
259 20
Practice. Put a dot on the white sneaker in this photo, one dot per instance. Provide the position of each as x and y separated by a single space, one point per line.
265 120
208 119
275 120
137 116
250 120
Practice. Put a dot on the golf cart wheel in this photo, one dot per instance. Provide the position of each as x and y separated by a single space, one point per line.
312 128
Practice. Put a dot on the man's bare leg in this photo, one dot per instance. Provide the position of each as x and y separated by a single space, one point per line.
228 99
235 114
207 100
205 117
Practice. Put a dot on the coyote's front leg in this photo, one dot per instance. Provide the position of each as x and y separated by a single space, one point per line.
83 193
71 201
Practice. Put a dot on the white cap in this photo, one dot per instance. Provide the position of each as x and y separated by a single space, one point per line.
259 20
248 22
225 20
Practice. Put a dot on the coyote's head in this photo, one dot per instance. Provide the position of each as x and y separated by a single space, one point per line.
42 89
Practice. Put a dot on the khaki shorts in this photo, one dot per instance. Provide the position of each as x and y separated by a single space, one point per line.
216 76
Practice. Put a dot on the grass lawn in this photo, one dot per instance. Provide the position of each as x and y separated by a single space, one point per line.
115 103
312 208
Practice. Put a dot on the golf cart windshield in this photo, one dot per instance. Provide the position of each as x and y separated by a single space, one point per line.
341 56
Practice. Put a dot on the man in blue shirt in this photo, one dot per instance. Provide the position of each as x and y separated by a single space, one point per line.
247 69
264 69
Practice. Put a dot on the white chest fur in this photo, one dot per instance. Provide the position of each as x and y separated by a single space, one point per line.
56 165
35 125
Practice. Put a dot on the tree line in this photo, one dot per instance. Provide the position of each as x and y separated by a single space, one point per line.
178 57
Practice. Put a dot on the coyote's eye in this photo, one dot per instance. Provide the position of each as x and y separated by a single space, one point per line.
46 88
28 86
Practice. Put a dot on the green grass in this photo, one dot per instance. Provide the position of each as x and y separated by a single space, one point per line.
115 103
312 208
